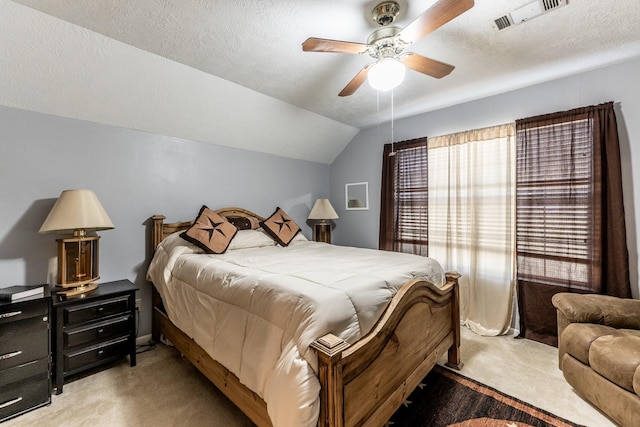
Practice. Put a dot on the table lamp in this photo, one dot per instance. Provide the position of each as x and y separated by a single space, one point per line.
77 211
323 211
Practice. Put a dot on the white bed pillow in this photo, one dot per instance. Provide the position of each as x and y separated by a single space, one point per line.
245 239
298 238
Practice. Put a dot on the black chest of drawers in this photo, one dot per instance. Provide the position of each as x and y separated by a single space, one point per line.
25 356
95 328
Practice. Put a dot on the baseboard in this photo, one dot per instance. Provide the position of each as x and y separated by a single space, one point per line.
143 339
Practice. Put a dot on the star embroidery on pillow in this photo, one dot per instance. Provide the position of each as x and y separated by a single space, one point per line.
214 227
283 222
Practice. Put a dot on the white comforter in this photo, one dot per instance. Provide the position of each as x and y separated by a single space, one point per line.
257 310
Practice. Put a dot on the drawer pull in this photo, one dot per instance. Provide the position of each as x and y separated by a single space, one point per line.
100 352
10 314
100 331
10 355
10 402
100 309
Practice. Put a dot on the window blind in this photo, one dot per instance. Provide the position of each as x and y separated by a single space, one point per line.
412 196
571 234
554 193
404 197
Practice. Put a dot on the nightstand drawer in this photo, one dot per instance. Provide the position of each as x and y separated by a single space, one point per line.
26 370
23 310
24 341
96 310
24 394
25 362
97 332
96 354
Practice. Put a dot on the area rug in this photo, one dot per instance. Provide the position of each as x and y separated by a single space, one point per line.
445 398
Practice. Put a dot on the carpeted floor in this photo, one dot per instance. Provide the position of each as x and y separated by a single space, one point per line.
162 390
165 390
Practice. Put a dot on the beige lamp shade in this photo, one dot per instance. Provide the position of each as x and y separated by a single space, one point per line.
322 209
76 210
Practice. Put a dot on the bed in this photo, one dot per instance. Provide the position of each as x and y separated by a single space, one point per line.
360 381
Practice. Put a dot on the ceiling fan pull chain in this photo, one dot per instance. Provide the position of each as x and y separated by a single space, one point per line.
378 108
393 152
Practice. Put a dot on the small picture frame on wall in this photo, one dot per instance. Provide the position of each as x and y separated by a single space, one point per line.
357 196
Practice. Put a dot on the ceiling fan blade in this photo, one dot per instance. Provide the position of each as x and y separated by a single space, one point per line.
356 82
433 18
427 66
313 44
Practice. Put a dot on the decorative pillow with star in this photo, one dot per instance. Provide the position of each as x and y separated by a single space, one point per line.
281 227
210 231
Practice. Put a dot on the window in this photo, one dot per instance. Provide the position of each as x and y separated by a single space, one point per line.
404 202
472 221
570 216
412 200
455 201
554 212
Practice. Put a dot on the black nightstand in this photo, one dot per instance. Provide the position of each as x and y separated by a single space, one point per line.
25 356
93 328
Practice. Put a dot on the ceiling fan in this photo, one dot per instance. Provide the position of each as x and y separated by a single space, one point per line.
387 44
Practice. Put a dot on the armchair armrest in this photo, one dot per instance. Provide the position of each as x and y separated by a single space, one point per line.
600 309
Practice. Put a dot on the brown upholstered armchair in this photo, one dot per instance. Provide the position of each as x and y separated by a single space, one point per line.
599 352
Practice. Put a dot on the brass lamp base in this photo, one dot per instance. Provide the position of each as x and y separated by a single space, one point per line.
322 232
77 261
79 290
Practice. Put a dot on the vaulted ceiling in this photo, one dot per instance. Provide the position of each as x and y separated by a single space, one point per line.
232 72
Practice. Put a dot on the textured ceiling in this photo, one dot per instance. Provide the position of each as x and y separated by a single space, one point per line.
256 44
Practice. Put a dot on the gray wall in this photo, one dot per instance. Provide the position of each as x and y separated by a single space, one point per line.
361 160
135 175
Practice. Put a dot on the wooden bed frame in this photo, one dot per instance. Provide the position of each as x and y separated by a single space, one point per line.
361 384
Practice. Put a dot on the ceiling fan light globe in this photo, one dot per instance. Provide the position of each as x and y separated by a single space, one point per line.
386 74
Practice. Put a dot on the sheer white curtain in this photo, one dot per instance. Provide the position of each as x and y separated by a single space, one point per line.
472 221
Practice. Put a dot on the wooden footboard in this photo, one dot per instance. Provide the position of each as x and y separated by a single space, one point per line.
362 384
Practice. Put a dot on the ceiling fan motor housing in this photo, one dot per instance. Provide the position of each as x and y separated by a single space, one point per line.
384 43
386 12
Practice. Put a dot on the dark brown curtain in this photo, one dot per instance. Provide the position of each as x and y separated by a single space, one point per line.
571 234
404 197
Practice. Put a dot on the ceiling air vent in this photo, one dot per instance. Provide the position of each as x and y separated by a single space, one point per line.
552 4
527 12
503 22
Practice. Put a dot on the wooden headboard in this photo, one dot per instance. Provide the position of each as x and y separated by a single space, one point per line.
160 229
